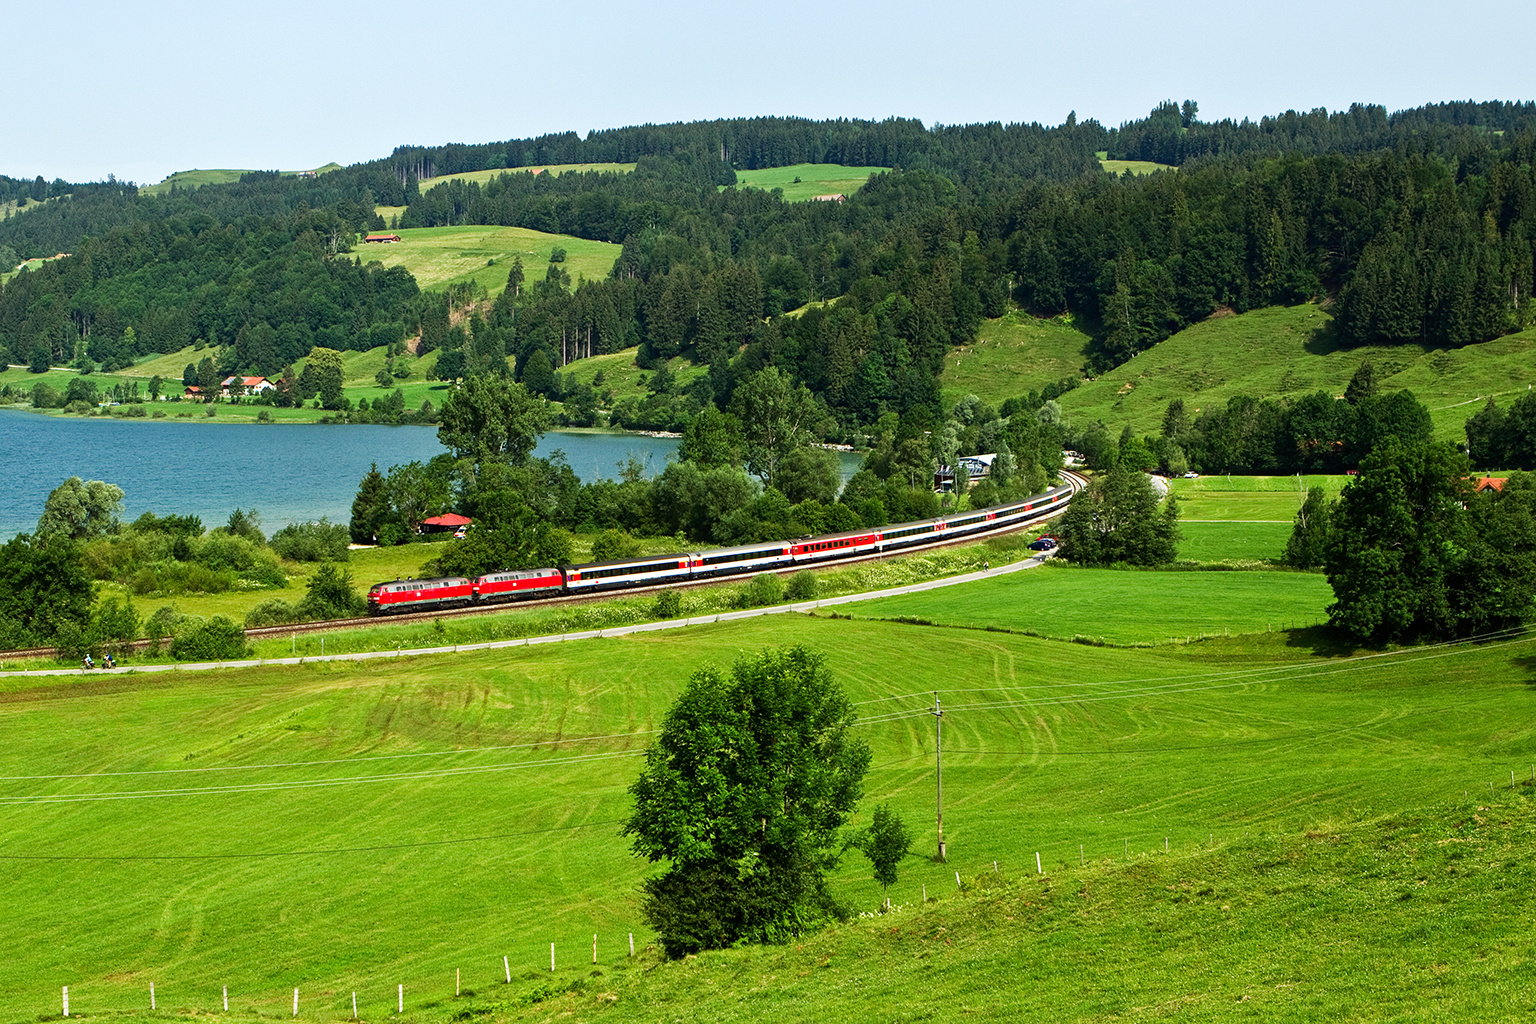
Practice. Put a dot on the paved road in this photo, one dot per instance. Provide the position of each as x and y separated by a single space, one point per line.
643 627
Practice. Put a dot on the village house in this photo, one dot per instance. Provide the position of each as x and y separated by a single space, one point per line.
239 387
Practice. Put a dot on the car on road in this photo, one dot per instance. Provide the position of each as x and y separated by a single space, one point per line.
1043 544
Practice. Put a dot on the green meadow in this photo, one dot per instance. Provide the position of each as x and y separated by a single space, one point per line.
438 257
1263 816
1133 166
197 177
555 170
800 182
1011 357
1285 352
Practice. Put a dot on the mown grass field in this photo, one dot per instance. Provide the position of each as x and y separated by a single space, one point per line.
1011 357
555 170
1133 166
814 180
1121 606
438 257
1286 352
197 177
339 828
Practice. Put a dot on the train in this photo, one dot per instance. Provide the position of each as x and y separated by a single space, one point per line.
768 556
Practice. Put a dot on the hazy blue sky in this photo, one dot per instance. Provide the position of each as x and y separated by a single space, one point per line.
99 88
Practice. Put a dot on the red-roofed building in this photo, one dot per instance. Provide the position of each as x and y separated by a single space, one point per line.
445 523
235 387
1488 483
381 238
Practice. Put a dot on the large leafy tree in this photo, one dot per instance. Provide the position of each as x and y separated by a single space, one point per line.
776 415
490 419
81 510
44 590
1413 553
1116 519
743 794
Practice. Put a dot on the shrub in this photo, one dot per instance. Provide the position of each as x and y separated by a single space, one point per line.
217 639
763 589
275 612
265 416
801 587
78 408
324 541
669 604
330 595
614 544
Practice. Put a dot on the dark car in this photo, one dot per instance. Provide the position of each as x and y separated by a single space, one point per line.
1043 544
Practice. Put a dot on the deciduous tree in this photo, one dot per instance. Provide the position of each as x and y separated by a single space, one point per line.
743 794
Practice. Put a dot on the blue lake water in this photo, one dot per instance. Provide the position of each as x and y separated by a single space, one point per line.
288 473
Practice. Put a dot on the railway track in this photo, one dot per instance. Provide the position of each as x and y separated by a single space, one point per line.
1077 482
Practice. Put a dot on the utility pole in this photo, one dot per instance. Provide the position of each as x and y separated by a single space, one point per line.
938 763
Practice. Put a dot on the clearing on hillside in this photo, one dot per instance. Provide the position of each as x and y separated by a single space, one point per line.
1011 357
1289 351
438 257
813 180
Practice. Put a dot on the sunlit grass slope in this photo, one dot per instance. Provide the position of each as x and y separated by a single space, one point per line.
340 828
1286 352
437 257
813 180
1013 356
481 177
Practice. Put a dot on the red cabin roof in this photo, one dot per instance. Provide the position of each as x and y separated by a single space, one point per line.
451 519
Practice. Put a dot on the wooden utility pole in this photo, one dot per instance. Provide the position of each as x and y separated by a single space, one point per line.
938 764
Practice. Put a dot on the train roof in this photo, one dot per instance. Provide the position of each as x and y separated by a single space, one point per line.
442 581
621 562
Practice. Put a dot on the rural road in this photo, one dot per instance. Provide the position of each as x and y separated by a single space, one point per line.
802 607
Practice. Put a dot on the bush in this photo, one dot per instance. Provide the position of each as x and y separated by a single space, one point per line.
610 545
669 604
78 408
801 587
275 612
216 639
331 595
324 541
763 589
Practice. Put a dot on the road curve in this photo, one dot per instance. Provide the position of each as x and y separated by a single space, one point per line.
803 607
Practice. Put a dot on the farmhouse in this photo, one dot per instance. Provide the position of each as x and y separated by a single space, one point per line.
381 238
236 387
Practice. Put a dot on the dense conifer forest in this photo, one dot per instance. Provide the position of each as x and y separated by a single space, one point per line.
1418 225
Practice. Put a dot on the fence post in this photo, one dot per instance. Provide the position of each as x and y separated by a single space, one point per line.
507 966
295 1002
66 1000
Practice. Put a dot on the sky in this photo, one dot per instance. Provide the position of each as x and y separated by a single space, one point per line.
140 91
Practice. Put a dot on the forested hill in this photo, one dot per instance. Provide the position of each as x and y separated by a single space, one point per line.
1419 225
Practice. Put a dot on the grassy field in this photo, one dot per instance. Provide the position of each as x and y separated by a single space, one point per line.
196 178
1011 357
481 177
340 828
437 257
1133 166
623 377
813 180
1285 352
1120 607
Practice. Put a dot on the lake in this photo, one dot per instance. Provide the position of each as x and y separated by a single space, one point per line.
288 473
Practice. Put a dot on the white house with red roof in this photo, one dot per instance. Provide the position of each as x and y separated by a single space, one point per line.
236 387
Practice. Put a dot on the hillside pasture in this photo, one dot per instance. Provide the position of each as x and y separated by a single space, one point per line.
1137 167
354 827
554 170
197 177
1011 357
1286 352
438 257
814 180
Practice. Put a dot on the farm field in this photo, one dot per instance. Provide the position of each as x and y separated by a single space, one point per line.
1011 357
1120 606
555 170
815 180
1133 166
438 257
338 828
196 178
1286 352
